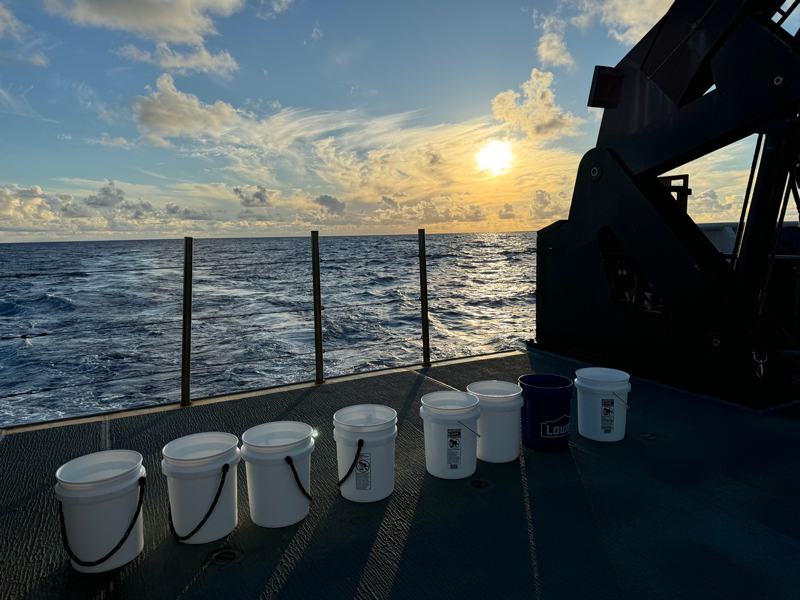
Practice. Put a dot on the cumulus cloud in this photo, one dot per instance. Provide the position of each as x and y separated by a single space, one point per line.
708 202
331 204
20 205
537 115
9 25
109 195
627 20
552 50
170 113
260 197
182 21
545 207
180 63
507 212
390 203
186 213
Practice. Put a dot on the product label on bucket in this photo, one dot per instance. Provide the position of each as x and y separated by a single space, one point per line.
454 448
364 472
557 428
607 415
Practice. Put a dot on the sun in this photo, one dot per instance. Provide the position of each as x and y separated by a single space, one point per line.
495 157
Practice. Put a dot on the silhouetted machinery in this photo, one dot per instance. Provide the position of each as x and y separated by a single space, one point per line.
629 280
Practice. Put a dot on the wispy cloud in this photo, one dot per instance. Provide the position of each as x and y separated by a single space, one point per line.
199 60
17 104
10 26
271 9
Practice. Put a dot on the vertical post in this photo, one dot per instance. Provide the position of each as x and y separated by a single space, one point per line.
423 296
186 342
317 305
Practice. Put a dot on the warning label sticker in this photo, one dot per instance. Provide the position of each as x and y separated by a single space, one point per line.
454 448
607 415
364 472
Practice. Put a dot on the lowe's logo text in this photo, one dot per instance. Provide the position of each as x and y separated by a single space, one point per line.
557 428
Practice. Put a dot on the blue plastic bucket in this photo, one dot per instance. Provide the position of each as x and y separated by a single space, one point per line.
546 411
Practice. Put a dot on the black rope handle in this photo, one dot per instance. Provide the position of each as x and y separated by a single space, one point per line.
353 466
290 462
182 538
99 561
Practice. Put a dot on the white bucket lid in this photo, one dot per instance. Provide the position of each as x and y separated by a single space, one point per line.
450 404
601 375
278 437
365 417
496 394
200 450
100 470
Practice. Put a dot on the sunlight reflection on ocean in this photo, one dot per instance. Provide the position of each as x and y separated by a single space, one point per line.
124 323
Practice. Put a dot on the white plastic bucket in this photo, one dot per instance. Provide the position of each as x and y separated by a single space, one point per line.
602 403
498 426
194 468
99 494
372 477
275 498
451 444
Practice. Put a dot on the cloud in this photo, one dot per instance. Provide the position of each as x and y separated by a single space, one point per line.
331 204
88 100
170 113
17 104
552 50
316 33
21 205
113 142
181 21
11 26
261 197
390 203
537 115
186 213
109 195
38 60
707 202
507 212
201 60
545 207
274 8
627 20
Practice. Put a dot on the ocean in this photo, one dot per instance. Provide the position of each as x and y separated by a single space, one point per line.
111 312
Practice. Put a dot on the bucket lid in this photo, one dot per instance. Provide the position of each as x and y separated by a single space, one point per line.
365 417
278 436
199 448
449 402
601 375
495 392
104 467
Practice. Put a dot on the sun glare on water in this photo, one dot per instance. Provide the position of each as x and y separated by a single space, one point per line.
495 157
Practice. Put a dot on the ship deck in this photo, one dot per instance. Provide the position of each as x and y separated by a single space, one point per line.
700 500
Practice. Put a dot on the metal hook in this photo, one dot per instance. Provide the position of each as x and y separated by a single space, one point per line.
760 368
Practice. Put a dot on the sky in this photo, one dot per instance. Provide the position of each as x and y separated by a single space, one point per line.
141 119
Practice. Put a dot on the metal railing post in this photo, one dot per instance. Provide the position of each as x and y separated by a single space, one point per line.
423 296
186 340
317 305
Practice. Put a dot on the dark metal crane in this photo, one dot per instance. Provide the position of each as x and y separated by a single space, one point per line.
629 280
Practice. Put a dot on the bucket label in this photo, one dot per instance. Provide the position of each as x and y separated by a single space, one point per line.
557 428
364 472
607 415
454 448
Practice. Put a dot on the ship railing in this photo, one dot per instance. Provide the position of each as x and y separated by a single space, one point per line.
187 319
